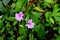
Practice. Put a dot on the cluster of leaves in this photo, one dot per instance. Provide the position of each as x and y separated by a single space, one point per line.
44 13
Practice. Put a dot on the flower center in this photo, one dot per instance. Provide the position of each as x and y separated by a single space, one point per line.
19 15
29 23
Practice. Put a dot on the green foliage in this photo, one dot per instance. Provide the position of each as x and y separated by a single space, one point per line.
19 5
2 9
35 16
1 38
1 6
50 1
41 32
49 18
45 15
56 13
19 38
58 38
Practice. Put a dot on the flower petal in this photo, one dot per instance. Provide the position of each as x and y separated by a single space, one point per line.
30 21
16 15
21 13
19 16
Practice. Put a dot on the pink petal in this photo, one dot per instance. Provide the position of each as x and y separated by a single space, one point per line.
21 13
16 15
30 26
30 21
17 18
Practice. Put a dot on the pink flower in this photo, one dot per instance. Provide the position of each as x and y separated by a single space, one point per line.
19 16
30 24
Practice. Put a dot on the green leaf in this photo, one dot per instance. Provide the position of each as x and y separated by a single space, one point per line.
58 38
1 6
7 25
31 37
22 31
48 15
1 37
46 4
36 28
49 1
55 28
1 23
40 29
41 32
13 5
27 18
11 19
37 14
15 22
1 16
52 20
58 14
59 30
2 29
2 9
19 38
5 2
35 17
10 38
19 5
55 9
57 19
